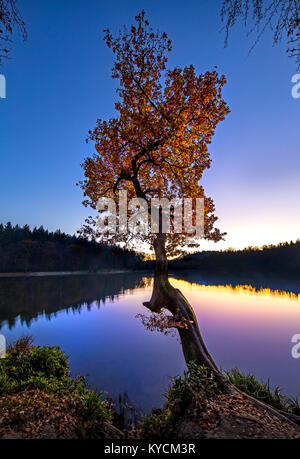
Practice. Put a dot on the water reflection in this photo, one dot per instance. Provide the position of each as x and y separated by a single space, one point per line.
245 325
256 281
242 289
249 328
27 298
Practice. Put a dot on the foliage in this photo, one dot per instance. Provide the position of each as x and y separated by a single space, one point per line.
23 344
27 376
262 391
37 394
23 249
249 384
188 395
157 145
92 412
197 380
36 367
196 384
10 18
282 16
280 259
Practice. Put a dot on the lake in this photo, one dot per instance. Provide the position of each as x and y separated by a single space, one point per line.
246 324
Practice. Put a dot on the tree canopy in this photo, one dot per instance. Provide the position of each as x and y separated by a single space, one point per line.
281 16
10 19
157 144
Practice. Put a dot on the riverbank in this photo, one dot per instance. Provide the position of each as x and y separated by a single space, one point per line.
39 399
197 408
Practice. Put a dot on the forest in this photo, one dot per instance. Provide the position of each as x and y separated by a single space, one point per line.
26 250
280 259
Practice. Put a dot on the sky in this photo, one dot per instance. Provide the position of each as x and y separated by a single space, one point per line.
59 83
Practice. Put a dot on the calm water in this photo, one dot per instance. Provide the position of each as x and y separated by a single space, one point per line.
246 325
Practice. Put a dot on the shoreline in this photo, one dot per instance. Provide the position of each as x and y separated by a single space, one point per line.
42 401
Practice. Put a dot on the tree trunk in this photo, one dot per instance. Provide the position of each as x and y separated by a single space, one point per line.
161 261
164 295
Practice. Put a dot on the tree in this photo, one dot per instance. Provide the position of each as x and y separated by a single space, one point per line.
10 18
157 146
281 16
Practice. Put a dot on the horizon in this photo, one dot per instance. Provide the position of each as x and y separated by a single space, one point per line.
151 255
55 95
150 246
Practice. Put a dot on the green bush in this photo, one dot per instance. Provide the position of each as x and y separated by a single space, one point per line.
26 368
196 384
38 367
50 361
197 381
92 412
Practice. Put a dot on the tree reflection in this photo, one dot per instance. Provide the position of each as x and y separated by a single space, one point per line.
27 298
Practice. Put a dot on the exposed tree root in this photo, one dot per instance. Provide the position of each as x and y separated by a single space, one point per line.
166 296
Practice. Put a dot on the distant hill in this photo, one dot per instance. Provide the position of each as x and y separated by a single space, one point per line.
23 250
281 259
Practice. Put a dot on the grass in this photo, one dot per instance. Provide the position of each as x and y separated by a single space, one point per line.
36 390
23 344
192 389
263 392
32 377
197 386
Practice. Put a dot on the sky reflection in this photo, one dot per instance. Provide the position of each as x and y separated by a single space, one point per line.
242 326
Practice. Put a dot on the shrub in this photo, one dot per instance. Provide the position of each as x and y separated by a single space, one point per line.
196 384
27 370
35 367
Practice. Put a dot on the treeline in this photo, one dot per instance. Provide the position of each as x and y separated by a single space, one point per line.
31 250
281 259
24 250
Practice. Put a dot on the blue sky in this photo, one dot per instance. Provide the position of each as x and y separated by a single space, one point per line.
59 82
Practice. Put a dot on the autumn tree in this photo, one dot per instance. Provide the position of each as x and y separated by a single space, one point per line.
281 16
157 147
157 144
10 19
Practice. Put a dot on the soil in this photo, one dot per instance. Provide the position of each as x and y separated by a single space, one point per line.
233 417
